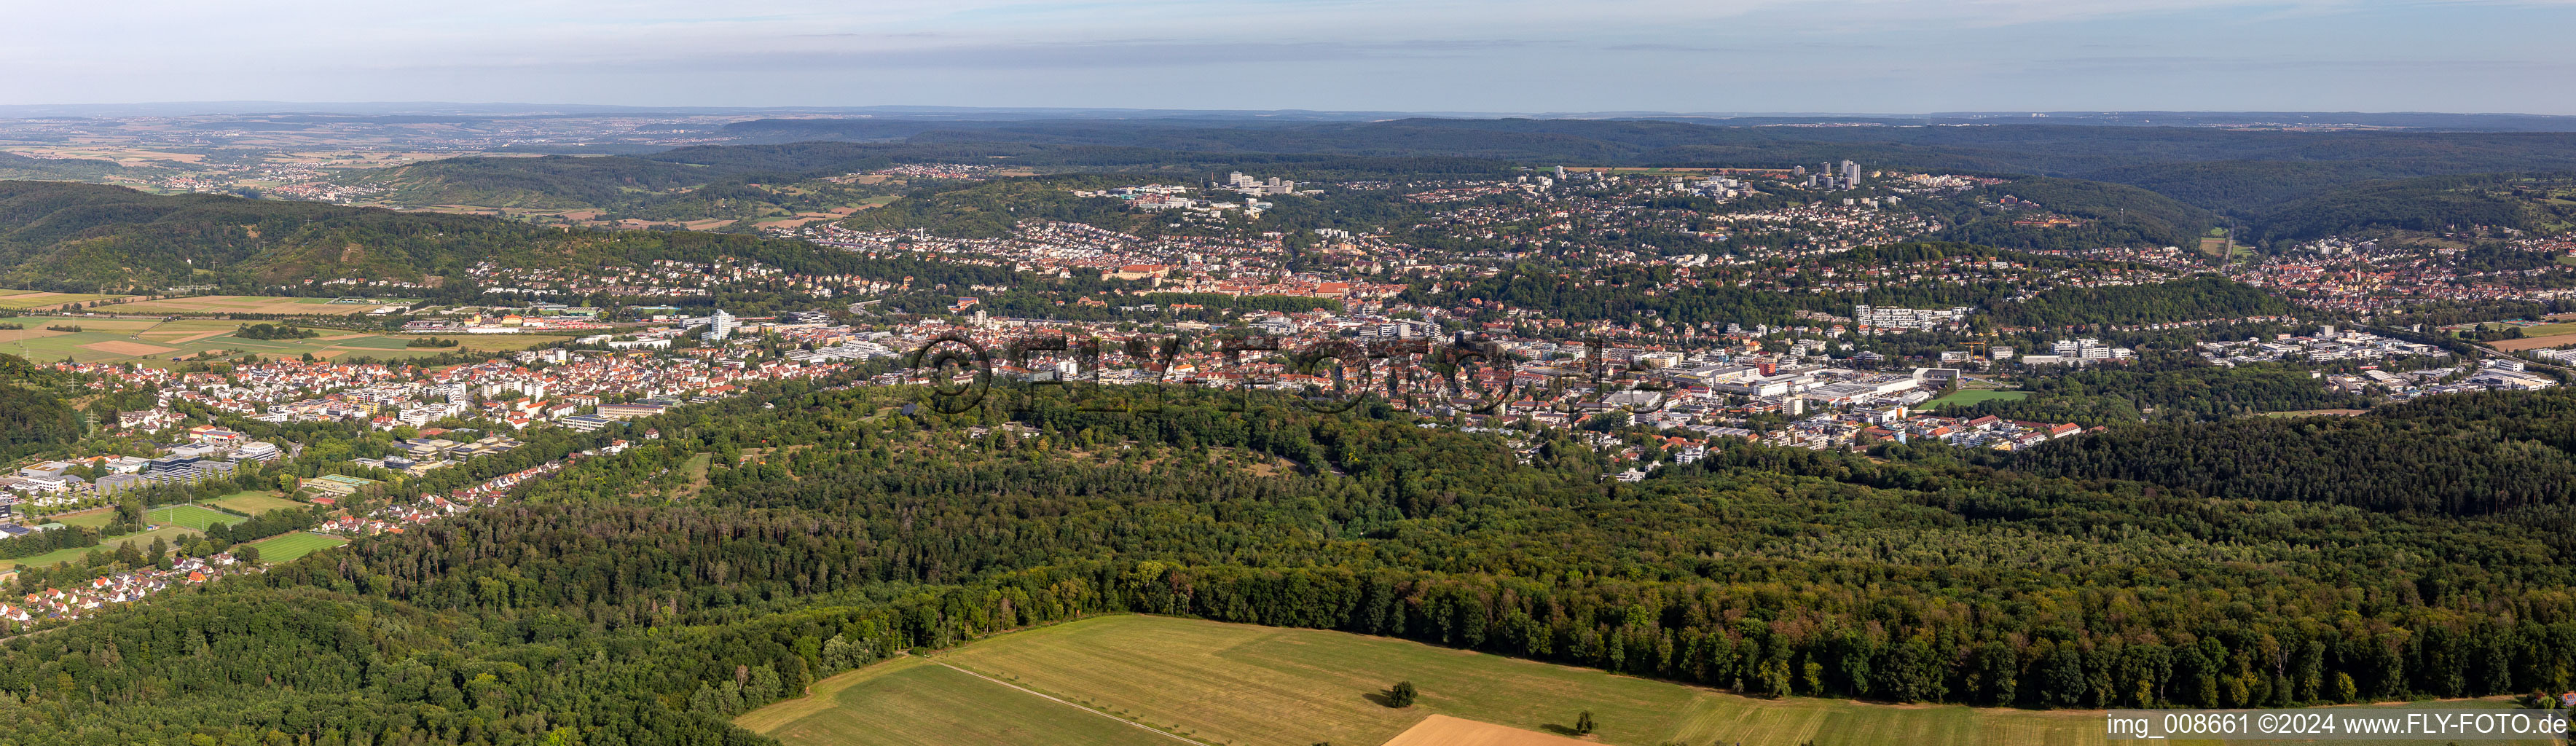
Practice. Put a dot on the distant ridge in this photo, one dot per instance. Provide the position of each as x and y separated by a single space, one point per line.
2493 122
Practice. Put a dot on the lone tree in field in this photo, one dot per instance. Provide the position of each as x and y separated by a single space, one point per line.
1401 696
1583 723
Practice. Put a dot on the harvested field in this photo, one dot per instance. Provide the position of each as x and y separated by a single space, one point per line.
128 348
2536 343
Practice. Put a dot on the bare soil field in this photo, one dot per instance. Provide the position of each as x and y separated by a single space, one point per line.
2534 343
1443 730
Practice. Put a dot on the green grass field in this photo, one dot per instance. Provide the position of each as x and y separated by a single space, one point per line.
1972 397
153 342
172 534
294 545
253 502
192 516
1241 685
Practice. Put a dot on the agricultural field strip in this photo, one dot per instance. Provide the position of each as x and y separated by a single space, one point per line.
1051 698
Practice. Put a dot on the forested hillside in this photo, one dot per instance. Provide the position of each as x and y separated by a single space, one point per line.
2112 215
33 420
2193 299
2190 299
549 182
599 610
15 166
2461 454
82 237
990 209
2115 396
2438 203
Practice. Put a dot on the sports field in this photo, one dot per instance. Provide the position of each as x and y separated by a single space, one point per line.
191 516
153 342
172 534
92 519
291 546
253 502
1973 397
1241 685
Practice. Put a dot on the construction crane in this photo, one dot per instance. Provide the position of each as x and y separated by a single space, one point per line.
1984 350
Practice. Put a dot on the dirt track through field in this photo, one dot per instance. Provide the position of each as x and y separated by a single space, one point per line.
191 337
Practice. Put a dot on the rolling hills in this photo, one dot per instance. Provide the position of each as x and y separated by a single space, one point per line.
2251 175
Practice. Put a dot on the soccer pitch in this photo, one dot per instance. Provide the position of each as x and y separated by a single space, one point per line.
189 516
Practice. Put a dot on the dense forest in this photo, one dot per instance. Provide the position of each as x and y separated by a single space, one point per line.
619 603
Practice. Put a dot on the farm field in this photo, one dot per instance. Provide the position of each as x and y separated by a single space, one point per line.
154 343
294 545
253 304
1242 685
20 300
1973 397
1246 685
914 702
175 535
191 516
253 502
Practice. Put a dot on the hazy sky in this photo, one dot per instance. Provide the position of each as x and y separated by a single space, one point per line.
1860 56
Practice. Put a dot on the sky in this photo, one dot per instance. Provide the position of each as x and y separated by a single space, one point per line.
1502 56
